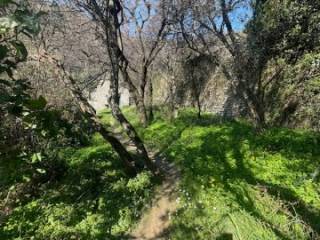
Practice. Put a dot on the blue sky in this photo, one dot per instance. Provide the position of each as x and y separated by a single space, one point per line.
240 17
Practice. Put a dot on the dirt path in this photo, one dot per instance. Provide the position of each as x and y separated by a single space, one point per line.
156 221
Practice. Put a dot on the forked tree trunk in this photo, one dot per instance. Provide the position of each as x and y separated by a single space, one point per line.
112 42
254 105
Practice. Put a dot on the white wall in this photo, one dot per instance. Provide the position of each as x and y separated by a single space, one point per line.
99 97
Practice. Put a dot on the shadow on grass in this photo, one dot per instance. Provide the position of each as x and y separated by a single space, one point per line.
212 157
94 200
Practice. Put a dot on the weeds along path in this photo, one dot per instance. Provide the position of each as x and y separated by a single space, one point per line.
155 223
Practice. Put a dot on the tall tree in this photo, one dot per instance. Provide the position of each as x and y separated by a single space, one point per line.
207 28
212 28
108 16
284 36
146 28
48 52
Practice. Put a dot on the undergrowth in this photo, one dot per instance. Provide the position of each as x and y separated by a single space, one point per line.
240 184
235 184
93 199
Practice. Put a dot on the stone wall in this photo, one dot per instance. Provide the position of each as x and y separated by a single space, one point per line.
216 97
216 94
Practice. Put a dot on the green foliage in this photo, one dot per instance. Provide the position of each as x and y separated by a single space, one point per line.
234 182
14 92
284 28
139 183
22 20
297 89
91 199
4 3
283 44
31 135
240 183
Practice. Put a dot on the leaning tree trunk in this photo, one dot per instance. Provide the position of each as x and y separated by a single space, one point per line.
88 110
125 156
112 42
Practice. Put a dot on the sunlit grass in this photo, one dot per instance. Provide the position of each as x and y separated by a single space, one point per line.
238 182
234 182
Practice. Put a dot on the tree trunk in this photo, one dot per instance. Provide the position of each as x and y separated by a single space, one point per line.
128 161
115 54
90 113
150 101
134 137
133 91
249 98
199 108
144 108
143 112
256 110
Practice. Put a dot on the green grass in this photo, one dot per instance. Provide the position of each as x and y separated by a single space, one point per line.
93 199
234 182
240 183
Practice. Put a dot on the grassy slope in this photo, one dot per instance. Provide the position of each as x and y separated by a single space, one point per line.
234 182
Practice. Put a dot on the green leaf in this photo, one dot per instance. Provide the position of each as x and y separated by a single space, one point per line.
42 171
22 52
15 110
36 157
29 21
23 20
26 178
4 97
7 66
43 133
37 104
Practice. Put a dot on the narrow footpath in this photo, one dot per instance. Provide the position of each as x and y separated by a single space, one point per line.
155 222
